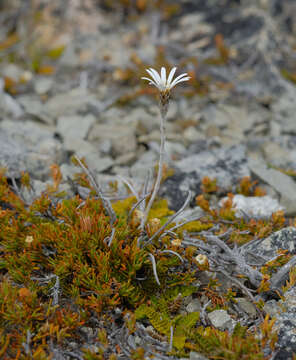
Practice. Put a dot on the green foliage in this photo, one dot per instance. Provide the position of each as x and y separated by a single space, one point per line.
160 319
59 249
216 344
70 239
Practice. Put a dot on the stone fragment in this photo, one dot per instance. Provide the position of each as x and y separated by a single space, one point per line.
43 85
282 183
26 146
72 102
8 105
247 307
196 356
126 159
221 320
144 120
191 134
193 306
87 332
12 71
122 137
285 325
284 239
34 106
254 206
140 168
274 153
75 126
68 171
228 165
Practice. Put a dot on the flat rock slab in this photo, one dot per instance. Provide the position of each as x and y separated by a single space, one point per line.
282 183
285 324
28 147
284 239
75 126
227 165
254 206
221 320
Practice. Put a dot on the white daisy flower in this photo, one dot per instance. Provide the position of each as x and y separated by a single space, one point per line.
163 83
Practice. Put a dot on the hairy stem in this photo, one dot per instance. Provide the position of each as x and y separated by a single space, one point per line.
160 166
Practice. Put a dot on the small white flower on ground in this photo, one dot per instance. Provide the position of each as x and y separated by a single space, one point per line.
202 261
162 82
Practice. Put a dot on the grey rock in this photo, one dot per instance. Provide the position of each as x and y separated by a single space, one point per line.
196 356
33 106
223 115
126 159
122 137
173 151
254 206
76 145
70 57
131 341
74 126
39 187
145 162
145 120
221 320
87 332
12 156
285 325
105 146
96 162
247 307
119 116
268 248
191 134
8 104
193 306
274 153
191 26
43 85
12 71
68 171
284 112
272 307
28 147
72 102
228 165
282 183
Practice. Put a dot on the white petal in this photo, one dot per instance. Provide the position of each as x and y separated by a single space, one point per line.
180 80
145 78
151 82
154 75
177 78
163 76
171 75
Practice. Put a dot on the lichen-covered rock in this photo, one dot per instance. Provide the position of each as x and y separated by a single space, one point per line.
284 239
28 147
285 324
228 165
254 206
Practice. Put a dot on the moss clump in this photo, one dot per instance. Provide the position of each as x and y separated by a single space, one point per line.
64 264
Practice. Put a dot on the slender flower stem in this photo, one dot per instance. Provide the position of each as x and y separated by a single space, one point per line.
160 166
164 85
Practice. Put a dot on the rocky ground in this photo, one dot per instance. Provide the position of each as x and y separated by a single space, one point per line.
70 84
